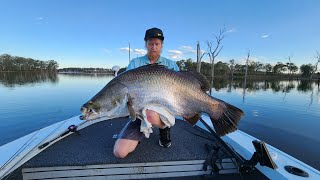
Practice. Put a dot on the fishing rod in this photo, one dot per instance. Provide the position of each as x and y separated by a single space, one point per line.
71 128
26 144
261 154
224 144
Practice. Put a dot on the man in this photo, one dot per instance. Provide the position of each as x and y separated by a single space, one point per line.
130 134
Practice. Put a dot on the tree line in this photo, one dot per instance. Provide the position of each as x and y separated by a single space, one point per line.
18 78
253 68
214 48
85 70
17 63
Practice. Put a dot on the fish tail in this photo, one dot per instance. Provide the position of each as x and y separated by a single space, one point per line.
226 119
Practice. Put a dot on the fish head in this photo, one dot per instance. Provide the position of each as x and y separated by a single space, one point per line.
90 110
109 104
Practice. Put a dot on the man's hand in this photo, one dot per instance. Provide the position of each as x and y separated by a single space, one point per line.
154 118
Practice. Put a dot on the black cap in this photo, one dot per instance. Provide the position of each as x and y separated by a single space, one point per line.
154 33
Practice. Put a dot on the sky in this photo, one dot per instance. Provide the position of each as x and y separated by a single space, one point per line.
96 33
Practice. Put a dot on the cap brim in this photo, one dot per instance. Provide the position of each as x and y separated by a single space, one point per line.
161 38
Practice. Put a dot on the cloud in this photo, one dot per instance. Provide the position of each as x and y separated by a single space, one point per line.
188 49
39 18
175 54
106 50
265 36
181 53
232 30
140 52
125 49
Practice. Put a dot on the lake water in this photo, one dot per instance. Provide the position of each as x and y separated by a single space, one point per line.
285 114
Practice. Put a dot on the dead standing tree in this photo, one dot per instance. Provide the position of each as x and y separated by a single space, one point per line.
247 62
289 67
200 55
245 77
214 52
231 67
315 68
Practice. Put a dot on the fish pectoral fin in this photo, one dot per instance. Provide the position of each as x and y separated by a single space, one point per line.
132 113
194 119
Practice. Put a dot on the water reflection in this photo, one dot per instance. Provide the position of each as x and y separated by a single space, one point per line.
87 74
256 85
304 86
12 79
277 86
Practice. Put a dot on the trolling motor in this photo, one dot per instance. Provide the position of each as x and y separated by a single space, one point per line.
261 156
245 166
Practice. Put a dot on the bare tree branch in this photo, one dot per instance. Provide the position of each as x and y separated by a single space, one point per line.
204 53
315 67
218 51
318 56
214 53
218 40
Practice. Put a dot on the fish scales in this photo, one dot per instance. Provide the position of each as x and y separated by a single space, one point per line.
181 93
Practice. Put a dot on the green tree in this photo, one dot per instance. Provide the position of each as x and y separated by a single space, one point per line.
19 61
279 68
222 68
16 63
255 66
306 69
206 69
268 67
52 65
292 68
239 68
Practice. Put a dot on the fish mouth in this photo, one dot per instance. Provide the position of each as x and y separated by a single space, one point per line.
92 114
89 114
92 118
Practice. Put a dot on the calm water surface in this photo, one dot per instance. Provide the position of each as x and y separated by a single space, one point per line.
282 113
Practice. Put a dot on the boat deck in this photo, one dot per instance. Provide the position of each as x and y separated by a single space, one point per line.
92 150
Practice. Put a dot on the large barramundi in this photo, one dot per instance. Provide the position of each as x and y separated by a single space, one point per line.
181 93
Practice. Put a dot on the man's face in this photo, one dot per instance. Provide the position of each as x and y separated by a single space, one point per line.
154 46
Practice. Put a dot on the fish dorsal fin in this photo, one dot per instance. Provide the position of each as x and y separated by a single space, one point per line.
204 84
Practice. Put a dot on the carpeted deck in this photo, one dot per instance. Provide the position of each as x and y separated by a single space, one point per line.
95 143
95 146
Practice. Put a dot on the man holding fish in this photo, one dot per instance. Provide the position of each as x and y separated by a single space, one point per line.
127 143
153 92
